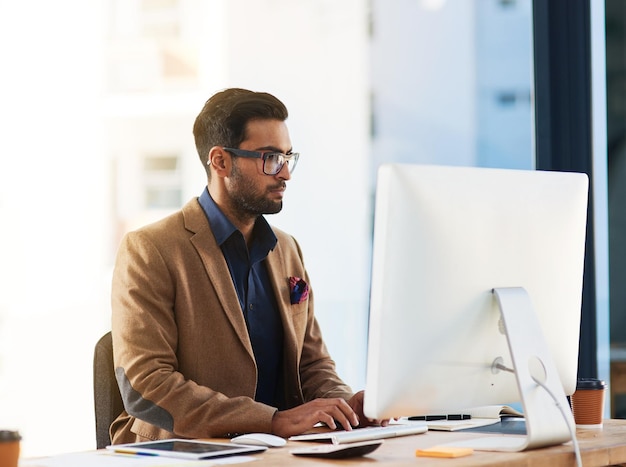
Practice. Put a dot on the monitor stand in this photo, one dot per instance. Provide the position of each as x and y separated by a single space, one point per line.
549 420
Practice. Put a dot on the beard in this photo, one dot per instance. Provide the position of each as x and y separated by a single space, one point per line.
249 200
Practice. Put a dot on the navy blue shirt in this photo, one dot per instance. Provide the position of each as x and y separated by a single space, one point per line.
256 295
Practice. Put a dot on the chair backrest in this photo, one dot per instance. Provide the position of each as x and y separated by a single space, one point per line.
106 394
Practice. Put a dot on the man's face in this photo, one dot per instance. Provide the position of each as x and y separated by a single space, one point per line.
252 192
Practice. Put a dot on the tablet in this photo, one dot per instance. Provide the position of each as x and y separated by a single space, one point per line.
184 448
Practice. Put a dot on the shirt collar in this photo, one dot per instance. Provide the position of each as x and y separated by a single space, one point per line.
223 228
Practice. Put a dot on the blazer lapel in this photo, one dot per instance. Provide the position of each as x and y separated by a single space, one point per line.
216 268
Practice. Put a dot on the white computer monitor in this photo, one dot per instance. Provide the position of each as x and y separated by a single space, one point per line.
446 237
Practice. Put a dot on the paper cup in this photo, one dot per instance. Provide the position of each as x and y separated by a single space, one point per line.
588 403
9 448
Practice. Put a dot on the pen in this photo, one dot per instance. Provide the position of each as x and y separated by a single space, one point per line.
430 418
135 453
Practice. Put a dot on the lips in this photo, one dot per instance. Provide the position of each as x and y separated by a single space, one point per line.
280 189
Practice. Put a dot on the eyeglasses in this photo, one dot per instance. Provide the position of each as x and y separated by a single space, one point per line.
272 161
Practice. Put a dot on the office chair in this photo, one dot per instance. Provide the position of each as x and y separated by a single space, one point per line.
106 394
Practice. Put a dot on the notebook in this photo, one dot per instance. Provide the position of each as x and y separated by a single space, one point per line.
480 417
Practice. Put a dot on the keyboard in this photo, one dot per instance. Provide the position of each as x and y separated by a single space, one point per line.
365 434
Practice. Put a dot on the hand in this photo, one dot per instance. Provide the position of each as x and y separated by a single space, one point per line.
304 417
356 402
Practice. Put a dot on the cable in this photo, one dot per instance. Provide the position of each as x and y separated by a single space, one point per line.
498 365
572 432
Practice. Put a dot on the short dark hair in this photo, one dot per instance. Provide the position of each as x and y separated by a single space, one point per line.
223 119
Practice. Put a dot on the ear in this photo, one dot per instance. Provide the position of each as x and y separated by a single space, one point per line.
219 161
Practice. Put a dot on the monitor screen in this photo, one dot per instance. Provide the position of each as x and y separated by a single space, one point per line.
444 238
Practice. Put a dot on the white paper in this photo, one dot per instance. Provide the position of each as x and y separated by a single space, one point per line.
112 459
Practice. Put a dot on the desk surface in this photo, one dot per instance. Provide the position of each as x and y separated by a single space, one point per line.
598 448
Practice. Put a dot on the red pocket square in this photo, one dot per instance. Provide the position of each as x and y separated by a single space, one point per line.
299 290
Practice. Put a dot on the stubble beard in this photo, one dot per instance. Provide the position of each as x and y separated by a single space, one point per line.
248 200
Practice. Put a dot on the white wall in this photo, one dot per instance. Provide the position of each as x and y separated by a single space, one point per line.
64 135
54 211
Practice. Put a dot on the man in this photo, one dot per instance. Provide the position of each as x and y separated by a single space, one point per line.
213 326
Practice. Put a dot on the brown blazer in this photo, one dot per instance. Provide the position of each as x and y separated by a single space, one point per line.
182 355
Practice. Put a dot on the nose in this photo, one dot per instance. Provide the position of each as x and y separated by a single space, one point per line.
284 173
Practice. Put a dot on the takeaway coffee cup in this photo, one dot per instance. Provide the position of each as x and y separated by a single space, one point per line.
588 402
9 448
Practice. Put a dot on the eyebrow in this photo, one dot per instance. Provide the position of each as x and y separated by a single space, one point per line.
274 149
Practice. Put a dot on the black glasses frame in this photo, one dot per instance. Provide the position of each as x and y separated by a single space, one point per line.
265 155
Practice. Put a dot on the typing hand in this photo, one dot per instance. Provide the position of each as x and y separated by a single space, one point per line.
356 402
304 417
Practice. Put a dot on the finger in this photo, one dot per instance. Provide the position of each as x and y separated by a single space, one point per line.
327 419
342 422
349 412
345 417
